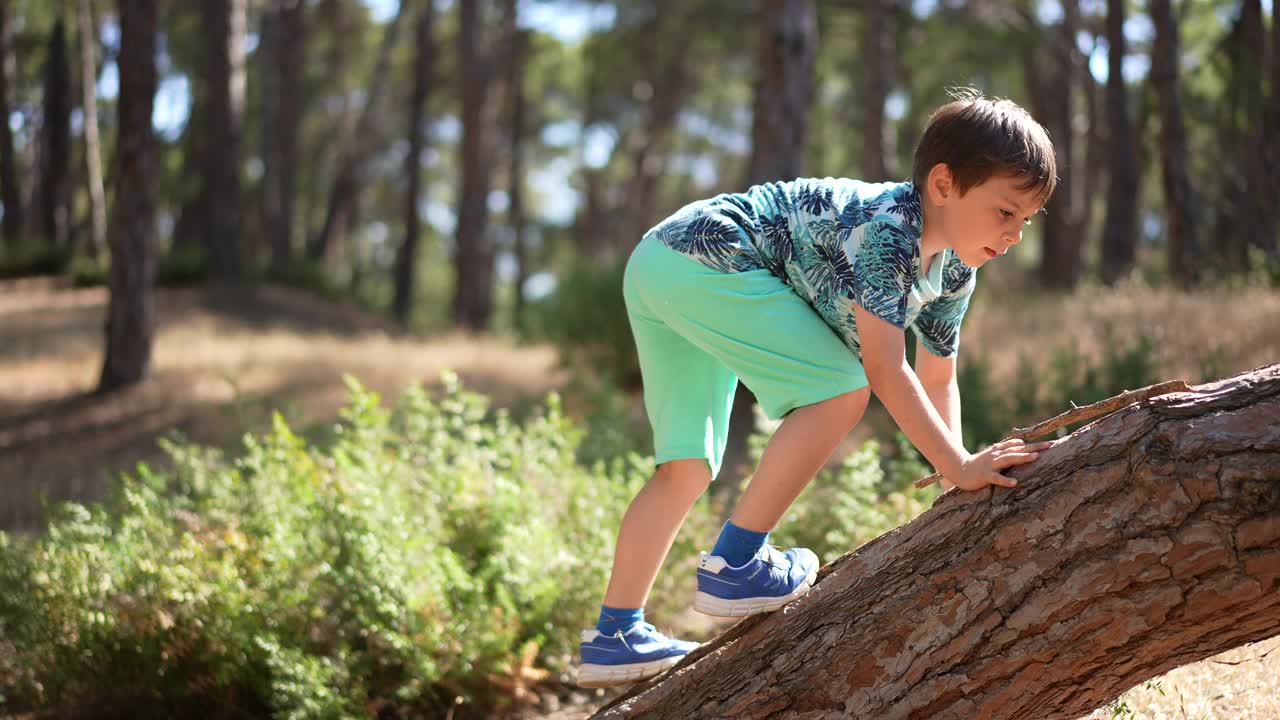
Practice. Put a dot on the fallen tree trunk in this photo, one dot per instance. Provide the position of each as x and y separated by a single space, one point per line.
1144 541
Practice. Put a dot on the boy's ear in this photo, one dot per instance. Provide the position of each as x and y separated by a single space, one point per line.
940 184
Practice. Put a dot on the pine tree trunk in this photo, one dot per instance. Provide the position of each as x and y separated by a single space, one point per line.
359 144
515 211
877 56
92 144
590 231
1052 86
780 122
1146 540
1180 204
283 46
1235 225
55 157
132 232
481 66
669 83
1270 156
407 256
1119 240
225 80
10 195
788 37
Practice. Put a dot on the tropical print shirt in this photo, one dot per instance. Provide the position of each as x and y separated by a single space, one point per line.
837 243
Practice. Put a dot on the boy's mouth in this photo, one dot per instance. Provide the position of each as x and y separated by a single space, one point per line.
990 252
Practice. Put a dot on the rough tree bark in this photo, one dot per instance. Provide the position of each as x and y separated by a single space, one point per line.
224 70
407 255
92 145
877 59
1053 71
1146 540
10 197
518 124
482 55
1178 199
1119 243
131 235
55 142
285 37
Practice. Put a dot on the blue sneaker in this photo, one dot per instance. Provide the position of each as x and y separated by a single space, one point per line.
628 656
765 583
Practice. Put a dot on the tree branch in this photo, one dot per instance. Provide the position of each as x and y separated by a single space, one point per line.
1147 540
1088 412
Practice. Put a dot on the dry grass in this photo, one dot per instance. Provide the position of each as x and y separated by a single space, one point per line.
1235 329
221 365
1240 684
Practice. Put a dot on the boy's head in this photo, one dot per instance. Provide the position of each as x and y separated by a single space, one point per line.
983 167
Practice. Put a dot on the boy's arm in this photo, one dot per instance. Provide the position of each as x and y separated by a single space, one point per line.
938 377
884 358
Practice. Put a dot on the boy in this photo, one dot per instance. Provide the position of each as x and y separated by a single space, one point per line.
803 290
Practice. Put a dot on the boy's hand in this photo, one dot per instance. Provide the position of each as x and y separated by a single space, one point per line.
980 469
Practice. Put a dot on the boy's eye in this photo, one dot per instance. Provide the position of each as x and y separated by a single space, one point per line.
1006 214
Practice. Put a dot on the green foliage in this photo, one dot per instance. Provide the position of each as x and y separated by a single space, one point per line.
869 494
586 317
31 257
409 559
179 268
861 500
407 563
311 276
1040 392
610 428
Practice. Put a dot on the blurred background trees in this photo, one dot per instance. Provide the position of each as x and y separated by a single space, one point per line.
455 163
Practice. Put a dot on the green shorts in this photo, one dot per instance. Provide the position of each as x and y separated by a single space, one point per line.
698 330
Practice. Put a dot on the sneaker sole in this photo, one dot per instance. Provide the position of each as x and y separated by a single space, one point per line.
708 604
596 676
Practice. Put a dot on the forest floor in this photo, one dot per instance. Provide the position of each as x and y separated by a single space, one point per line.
223 362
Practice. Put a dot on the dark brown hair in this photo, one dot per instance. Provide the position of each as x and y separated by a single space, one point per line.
979 138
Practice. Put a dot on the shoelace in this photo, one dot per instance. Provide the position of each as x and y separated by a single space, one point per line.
773 556
652 631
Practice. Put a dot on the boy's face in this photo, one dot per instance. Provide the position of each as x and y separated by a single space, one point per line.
986 221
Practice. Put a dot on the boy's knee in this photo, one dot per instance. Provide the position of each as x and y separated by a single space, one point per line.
686 472
849 407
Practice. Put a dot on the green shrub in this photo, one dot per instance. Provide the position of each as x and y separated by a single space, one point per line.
586 317
410 563
32 257
179 268
308 275
844 508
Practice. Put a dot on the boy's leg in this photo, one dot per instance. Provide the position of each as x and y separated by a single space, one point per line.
798 449
649 528
688 395
764 333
